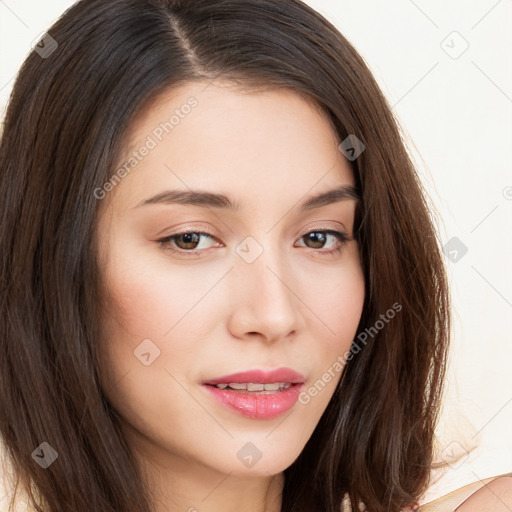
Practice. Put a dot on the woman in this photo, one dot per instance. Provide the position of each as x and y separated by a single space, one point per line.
222 287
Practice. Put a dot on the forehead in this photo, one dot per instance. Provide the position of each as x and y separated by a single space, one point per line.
267 143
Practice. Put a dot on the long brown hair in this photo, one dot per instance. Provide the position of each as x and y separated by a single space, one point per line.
63 133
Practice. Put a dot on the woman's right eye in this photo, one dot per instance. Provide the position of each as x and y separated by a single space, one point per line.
186 242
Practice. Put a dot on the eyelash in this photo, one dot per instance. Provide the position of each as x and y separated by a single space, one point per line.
166 243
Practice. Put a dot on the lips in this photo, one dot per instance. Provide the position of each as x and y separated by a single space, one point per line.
257 394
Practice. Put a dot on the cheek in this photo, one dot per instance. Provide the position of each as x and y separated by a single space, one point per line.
335 295
336 300
148 339
342 303
148 296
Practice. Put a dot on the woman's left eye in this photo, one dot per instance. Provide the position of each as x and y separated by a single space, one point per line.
189 242
321 236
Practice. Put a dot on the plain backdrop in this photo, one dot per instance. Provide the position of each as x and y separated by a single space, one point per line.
446 69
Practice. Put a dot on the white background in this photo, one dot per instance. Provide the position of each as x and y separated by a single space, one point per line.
456 111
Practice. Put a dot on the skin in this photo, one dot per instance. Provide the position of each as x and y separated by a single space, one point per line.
493 496
213 313
496 496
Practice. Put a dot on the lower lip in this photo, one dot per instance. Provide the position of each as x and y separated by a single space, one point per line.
257 406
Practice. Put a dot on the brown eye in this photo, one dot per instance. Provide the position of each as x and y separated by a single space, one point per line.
188 239
185 242
317 240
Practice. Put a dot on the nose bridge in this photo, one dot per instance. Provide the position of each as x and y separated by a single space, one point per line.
266 301
263 261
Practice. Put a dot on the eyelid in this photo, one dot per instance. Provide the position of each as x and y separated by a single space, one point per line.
340 228
199 228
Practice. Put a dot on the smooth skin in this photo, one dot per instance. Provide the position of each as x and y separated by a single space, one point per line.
496 496
212 313
489 495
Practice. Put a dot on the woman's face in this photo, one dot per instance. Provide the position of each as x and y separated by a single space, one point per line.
255 293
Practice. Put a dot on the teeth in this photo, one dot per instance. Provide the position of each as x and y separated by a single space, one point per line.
276 386
234 385
250 386
255 387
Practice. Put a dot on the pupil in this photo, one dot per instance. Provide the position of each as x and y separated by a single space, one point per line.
317 237
190 238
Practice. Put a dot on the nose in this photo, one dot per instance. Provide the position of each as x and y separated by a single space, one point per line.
264 303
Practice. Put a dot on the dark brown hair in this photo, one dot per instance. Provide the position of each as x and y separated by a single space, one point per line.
63 134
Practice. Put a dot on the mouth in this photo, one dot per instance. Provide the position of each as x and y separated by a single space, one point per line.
257 394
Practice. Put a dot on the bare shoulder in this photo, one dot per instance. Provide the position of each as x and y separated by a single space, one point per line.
495 496
490 494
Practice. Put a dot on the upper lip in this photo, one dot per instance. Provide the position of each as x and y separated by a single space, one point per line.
260 377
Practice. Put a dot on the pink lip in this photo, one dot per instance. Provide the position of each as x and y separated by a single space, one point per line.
260 377
254 405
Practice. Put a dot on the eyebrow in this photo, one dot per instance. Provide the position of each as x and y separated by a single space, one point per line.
214 200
